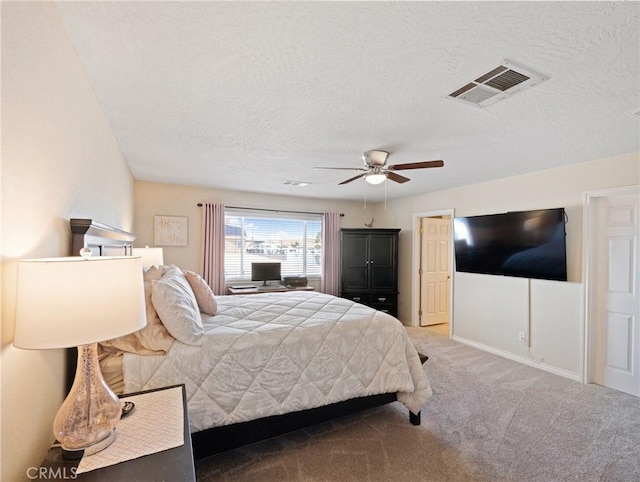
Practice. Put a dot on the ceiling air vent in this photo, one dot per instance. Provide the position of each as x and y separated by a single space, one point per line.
296 183
497 84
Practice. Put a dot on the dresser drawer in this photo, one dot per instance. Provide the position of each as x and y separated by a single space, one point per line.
388 308
377 298
385 302
357 297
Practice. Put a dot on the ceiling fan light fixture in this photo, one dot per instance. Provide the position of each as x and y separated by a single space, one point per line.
375 178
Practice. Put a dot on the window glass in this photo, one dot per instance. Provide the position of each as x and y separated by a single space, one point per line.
295 241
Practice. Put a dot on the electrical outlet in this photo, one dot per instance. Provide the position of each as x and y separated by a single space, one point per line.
522 336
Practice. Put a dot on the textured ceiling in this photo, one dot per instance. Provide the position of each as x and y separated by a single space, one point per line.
246 95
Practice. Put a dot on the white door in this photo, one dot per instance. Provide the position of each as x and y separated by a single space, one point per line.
617 301
434 270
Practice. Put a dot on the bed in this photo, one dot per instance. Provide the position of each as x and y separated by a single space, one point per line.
270 363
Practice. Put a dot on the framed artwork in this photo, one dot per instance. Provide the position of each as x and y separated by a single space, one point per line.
170 230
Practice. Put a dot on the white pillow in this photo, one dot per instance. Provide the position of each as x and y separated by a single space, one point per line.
177 307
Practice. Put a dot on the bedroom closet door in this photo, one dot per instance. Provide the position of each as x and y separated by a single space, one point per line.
617 299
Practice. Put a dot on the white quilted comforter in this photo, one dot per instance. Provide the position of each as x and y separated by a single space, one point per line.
275 353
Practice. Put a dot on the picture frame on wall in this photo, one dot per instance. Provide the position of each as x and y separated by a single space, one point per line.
170 230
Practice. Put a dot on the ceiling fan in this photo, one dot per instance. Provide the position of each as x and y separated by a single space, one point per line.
376 170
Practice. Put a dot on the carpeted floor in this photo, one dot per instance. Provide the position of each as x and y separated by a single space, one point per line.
490 419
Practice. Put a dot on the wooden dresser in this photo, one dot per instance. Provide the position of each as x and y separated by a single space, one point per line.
369 267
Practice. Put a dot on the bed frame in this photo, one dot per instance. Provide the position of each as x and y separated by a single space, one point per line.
104 240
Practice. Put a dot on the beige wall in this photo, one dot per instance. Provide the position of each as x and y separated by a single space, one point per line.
489 311
174 200
59 160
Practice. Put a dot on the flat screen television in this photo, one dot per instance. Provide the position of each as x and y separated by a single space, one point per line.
526 244
265 272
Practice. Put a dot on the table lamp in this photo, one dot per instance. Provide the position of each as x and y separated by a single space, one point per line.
150 256
79 301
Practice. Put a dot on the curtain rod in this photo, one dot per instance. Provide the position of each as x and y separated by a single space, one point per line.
271 210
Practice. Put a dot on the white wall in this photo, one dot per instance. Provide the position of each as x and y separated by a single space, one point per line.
489 311
175 200
59 161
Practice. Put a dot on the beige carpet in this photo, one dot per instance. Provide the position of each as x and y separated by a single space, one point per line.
490 419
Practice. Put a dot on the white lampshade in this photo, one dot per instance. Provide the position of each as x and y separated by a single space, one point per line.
66 302
150 256
375 178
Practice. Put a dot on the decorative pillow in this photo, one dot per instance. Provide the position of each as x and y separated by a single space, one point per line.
203 293
153 339
177 307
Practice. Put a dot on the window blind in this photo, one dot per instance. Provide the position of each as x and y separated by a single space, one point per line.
292 239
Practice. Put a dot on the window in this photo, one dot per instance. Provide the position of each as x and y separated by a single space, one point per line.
294 240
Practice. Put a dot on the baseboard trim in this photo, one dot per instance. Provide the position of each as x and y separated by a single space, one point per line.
521 359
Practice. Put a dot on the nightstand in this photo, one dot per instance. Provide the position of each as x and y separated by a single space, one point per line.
168 465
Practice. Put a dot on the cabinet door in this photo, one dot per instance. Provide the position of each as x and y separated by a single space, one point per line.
355 274
382 261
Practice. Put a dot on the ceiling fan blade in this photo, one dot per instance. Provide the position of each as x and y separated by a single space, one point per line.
416 165
343 168
352 179
397 177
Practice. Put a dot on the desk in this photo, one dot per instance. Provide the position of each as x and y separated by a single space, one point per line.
254 291
172 464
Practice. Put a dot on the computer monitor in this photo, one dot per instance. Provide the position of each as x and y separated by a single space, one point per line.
265 272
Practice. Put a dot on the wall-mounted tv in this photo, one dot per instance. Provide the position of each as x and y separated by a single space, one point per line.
526 244
265 272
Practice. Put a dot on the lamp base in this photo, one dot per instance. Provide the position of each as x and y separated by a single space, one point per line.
75 454
87 419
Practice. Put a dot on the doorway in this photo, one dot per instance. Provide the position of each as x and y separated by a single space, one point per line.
432 299
612 283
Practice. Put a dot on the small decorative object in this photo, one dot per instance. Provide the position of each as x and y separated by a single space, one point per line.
170 230
150 256
79 301
126 408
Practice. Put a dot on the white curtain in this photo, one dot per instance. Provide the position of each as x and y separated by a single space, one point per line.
212 259
330 283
